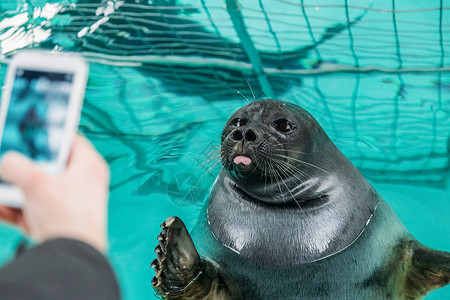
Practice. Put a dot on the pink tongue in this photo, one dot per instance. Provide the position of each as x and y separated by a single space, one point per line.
242 160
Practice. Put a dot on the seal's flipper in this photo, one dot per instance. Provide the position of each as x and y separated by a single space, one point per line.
429 269
180 272
177 263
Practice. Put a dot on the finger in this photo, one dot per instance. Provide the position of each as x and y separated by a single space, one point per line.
14 216
77 140
81 149
83 156
22 223
11 215
17 169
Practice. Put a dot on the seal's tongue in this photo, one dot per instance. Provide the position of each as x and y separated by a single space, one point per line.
242 160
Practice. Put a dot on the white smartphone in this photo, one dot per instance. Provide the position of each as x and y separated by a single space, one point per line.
40 109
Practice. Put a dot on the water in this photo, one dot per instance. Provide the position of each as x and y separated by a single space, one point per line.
158 121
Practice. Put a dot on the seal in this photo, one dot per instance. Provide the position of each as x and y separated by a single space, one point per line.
290 217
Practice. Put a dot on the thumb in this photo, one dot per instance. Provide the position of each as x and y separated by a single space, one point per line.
17 169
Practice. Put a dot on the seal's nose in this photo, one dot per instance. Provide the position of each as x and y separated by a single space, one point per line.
249 135
237 135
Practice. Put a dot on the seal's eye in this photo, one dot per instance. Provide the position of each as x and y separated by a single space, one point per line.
239 122
284 125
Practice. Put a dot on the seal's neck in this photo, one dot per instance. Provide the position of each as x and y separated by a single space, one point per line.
311 232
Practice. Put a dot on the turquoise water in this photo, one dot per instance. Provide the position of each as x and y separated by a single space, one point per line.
155 110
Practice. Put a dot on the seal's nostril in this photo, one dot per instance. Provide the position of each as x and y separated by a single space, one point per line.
237 135
250 136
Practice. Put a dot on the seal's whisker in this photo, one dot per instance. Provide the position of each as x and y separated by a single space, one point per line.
256 167
304 92
291 170
307 175
251 89
291 166
275 174
213 146
239 93
293 151
245 97
303 162
278 178
300 181
290 192
207 161
211 169
223 155
270 173
262 173
265 175
285 90
293 174
213 152
287 150
210 156
278 175
208 166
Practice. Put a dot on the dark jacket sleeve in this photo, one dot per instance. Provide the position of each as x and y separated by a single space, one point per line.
59 269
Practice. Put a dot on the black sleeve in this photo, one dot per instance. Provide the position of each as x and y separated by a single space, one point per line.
59 269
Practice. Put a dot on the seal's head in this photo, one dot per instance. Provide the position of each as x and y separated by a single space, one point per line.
271 145
286 194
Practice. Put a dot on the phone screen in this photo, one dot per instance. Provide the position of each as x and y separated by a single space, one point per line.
37 114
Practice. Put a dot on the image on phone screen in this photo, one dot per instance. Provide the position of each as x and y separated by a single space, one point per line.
37 114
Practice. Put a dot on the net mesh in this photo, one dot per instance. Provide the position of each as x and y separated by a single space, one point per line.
374 73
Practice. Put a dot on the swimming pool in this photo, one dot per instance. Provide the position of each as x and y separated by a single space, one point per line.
165 78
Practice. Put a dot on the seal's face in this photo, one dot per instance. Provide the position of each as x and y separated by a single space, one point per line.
267 145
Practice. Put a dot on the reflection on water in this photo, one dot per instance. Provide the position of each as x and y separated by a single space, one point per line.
164 80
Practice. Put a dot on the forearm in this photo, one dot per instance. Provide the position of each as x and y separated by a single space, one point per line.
59 269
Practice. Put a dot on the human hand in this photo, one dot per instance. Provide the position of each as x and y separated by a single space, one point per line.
13 216
71 204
